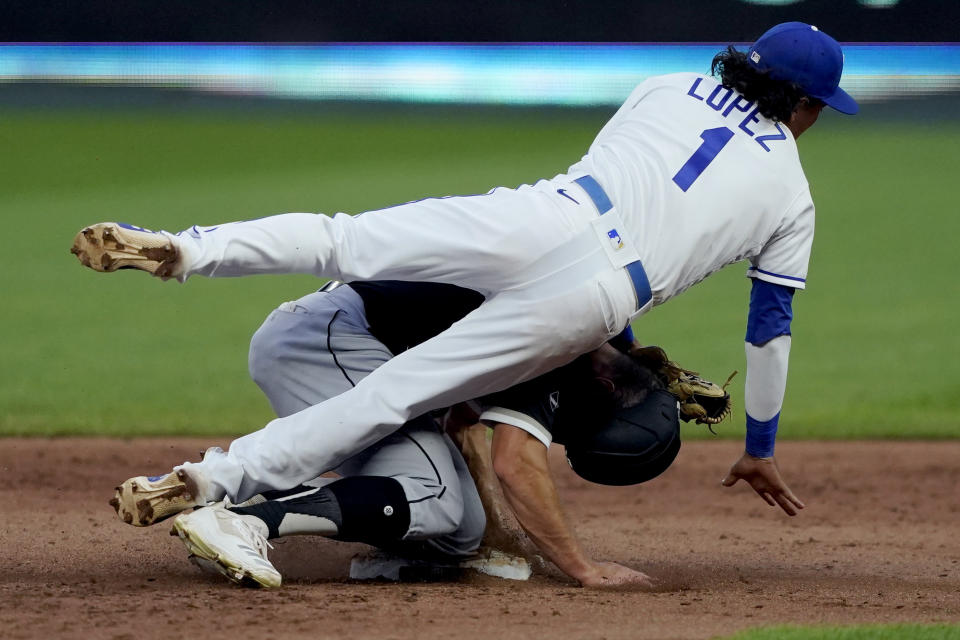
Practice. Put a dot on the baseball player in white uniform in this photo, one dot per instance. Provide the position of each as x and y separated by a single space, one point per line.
691 174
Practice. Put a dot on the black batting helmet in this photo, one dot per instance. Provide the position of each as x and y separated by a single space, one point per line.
635 445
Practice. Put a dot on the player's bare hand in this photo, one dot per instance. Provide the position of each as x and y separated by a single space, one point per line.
611 574
763 475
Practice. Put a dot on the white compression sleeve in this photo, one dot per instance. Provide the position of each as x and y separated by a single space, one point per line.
765 387
766 377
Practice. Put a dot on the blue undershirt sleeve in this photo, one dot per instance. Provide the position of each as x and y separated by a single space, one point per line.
771 311
761 436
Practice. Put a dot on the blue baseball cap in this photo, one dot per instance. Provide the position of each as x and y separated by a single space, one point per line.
801 53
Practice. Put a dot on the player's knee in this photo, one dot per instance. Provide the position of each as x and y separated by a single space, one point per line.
472 527
439 515
456 541
451 511
473 522
263 361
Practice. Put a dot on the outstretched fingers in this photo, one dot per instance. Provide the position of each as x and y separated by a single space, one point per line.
764 477
763 493
782 497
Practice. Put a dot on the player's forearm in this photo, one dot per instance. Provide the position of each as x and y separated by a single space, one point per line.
546 527
529 490
768 352
764 391
288 243
476 452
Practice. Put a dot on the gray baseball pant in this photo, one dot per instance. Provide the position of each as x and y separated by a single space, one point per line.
317 347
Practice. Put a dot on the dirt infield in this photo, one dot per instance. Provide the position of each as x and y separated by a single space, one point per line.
878 542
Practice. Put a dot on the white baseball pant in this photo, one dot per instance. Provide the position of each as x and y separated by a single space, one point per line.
552 294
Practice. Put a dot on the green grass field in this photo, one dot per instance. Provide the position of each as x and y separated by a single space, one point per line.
875 337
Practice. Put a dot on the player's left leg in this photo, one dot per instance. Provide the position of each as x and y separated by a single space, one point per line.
413 483
481 242
409 487
411 494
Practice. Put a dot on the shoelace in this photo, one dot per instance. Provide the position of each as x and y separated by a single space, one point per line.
260 542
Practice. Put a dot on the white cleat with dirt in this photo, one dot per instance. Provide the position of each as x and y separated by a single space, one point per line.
227 542
143 500
109 246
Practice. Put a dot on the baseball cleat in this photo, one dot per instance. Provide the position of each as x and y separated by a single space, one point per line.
109 246
142 501
224 541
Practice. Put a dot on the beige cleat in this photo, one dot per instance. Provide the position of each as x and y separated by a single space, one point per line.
142 501
226 542
109 246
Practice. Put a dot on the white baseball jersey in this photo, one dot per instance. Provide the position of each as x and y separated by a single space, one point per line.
702 180
697 180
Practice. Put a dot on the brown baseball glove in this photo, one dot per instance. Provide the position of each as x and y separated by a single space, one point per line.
701 400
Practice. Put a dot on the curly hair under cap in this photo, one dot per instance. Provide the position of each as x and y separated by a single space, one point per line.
776 99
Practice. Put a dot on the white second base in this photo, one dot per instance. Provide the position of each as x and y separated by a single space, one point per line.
378 565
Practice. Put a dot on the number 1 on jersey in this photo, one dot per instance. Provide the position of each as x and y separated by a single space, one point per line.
713 141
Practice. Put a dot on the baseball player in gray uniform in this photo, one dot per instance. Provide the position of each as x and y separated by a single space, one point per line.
694 172
410 493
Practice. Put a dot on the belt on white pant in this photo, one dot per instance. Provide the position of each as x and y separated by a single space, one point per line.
641 284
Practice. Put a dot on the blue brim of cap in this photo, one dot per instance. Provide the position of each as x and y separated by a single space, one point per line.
842 102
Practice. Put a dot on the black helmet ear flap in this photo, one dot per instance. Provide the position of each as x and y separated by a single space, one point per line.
635 444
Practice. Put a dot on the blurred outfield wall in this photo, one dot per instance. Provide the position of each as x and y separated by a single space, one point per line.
527 74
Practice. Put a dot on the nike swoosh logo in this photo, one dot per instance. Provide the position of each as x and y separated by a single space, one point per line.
564 193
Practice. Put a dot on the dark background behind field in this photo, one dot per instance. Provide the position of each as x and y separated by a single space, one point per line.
489 21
